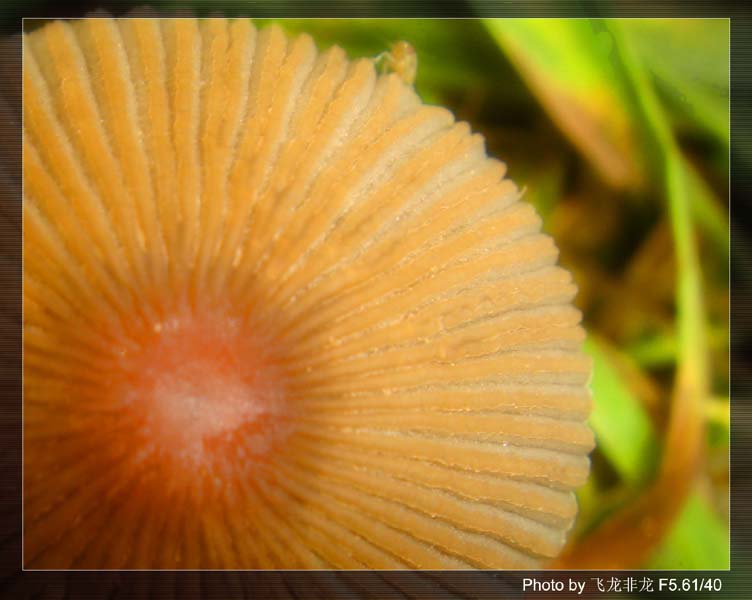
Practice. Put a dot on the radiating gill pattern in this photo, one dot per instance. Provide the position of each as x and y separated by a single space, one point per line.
281 314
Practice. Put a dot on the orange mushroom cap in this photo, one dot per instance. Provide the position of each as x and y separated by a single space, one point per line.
280 314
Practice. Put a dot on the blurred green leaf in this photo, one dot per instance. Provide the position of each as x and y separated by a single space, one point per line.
692 77
699 539
575 71
624 431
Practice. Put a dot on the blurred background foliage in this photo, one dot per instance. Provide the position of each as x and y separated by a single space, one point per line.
618 131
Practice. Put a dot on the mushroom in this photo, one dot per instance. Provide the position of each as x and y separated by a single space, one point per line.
280 314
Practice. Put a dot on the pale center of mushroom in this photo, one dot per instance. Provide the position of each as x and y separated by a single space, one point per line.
201 388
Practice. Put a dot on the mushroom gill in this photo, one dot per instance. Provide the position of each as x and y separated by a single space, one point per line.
280 314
